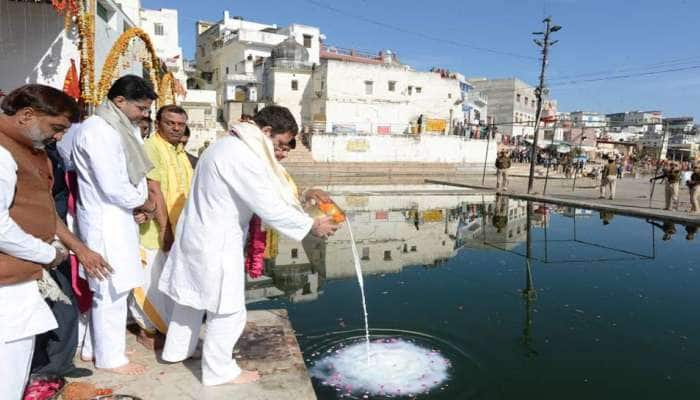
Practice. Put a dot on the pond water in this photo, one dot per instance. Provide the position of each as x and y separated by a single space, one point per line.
523 300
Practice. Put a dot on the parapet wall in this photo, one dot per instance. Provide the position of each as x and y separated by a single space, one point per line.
401 148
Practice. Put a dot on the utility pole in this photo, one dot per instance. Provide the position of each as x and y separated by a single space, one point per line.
544 44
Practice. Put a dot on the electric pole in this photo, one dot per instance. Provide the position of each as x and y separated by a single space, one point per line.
544 44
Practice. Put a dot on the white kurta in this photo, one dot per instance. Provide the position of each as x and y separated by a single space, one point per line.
107 200
23 312
205 267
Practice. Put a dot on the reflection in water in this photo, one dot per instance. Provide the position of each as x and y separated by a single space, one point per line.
394 231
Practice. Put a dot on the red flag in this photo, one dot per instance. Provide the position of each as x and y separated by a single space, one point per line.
71 85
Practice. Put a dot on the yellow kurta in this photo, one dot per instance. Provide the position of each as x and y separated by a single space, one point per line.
172 169
174 173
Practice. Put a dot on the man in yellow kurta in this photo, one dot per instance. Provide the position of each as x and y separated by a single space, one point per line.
169 183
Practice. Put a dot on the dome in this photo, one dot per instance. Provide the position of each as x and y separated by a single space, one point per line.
290 50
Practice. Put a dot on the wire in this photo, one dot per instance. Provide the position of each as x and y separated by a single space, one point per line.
626 76
417 33
665 64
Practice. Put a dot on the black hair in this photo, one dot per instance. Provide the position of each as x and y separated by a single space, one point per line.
43 99
133 88
280 119
171 108
187 131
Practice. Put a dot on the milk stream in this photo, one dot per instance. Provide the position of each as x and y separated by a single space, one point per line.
360 281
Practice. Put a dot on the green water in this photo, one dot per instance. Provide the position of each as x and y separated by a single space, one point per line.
571 308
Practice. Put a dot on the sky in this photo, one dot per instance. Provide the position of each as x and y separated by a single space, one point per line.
654 44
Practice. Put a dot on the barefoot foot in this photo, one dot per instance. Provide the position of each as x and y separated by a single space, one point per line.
246 377
91 358
129 369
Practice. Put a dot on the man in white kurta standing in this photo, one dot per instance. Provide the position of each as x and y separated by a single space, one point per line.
112 166
237 176
30 115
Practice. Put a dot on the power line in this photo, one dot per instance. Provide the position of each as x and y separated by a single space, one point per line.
416 33
626 76
642 68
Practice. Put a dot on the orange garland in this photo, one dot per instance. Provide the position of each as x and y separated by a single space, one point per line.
120 47
86 33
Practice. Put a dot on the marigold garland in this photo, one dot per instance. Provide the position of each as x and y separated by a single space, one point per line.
120 47
86 34
167 91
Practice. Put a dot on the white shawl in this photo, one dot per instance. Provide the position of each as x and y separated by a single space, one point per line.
262 147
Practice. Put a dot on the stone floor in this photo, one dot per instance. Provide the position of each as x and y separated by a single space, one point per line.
632 197
268 345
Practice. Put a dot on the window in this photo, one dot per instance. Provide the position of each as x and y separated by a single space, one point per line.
533 103
226 70
102 12
392 86
418 89
369 87
365 253
307 41
158 29
202 52
295 84
295 253
526 100
387 255
517 97
449 95
410 90
414 248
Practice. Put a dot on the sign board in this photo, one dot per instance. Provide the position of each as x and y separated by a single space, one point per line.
357 145
435 125
432 216
384 129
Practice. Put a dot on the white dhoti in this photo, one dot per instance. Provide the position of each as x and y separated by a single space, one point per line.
15 361
222 333
107 329
148 305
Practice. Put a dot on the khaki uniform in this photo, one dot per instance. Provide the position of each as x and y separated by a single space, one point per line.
609 181
673 182
502 165
695 192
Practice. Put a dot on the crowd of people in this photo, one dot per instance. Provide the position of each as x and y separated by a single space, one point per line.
103 219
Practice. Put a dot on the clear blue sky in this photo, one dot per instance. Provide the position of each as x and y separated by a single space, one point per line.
599 39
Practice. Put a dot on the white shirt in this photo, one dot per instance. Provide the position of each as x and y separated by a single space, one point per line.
107 200
65 146
23 312
205 268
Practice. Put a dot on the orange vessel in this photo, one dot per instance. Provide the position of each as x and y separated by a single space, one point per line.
332 210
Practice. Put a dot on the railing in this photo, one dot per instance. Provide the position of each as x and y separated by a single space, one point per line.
253 36
348 52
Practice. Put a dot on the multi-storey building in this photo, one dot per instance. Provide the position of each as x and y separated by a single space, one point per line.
512 105
229 50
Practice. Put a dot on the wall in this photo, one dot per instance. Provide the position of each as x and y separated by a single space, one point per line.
201 109
34 48
340 98
391 148
166 45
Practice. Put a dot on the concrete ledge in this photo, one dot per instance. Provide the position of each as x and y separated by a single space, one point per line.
268 345
591 204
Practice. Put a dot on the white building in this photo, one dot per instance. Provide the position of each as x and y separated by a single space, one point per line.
202 112
512 105
228 51
376 94
161 25
474 103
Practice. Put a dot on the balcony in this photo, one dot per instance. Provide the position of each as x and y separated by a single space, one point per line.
253 37
241 78
477 98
